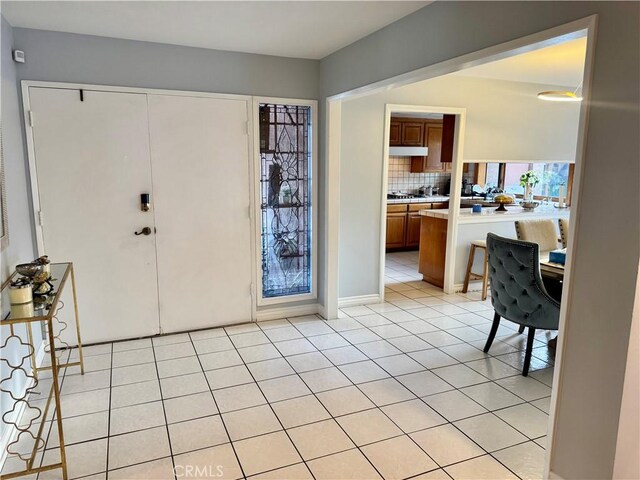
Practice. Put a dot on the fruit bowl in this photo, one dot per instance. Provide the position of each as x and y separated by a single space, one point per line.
29 270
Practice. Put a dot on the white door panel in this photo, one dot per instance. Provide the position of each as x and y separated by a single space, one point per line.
92 162
200 163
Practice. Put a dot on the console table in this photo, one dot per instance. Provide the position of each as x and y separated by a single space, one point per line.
22 380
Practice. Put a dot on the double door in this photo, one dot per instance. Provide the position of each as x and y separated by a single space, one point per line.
95 154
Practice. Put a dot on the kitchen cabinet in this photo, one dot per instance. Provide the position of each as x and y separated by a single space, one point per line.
438 136
403 224
433 249
395 134
412 134
413 229
396 230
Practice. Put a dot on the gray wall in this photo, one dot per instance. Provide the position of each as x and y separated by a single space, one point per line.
66 57
608 245
21 238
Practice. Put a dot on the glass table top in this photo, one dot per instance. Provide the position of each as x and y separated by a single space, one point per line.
27 312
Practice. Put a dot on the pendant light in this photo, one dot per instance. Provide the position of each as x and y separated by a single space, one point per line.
561 96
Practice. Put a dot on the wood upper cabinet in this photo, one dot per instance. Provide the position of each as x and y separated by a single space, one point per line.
412 134
395 134
433 140
396 230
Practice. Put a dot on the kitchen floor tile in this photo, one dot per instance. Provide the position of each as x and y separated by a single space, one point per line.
298 471
527 388
413 415
251 422
359 336
183 408
386 391
236 398
490 432
454 405
82 459
132 357
80 429
217 360
287 332
345 400
491 396
368 426
197 434
294 347
349 465
178 366
399 364
228 377
320 439
212 345
398 457
217 462
433 358
282 388
410 343
258 353
138 447
249 339
136 417
325 379
266 369
183 385
481 468
299 411
343 355
266 452
525 460
328 340
306 362
446 444
361 372
459 375
157 469
177 350
525 418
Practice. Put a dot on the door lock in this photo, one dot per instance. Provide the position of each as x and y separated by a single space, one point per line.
144 231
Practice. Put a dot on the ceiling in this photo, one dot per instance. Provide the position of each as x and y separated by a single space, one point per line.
561 64
301 29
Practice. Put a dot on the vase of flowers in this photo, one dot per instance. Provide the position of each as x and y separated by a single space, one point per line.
528 180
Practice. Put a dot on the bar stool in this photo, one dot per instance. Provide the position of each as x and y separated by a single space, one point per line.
475 244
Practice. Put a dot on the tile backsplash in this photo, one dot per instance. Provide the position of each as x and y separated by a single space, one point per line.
402 180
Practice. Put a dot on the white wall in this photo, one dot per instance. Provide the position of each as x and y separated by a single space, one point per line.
505 121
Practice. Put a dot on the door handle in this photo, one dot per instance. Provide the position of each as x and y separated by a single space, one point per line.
144 231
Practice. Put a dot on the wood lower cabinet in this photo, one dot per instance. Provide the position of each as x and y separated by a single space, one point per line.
413 229
433 250
396 230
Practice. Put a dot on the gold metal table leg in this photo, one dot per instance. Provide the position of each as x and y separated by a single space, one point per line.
75 308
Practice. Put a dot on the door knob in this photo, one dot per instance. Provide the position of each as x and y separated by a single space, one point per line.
144 231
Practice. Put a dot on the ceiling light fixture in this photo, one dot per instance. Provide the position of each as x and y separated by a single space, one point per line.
561 96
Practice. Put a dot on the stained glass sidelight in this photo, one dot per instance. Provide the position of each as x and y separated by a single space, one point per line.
285 199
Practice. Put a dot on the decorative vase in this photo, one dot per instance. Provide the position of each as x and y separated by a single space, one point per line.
528 193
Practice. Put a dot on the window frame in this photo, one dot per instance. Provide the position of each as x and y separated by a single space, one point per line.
262 301
502 166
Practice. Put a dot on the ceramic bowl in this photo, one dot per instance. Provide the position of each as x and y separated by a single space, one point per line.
29 270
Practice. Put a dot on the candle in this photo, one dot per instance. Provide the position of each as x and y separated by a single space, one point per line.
561 196
24 310
20 293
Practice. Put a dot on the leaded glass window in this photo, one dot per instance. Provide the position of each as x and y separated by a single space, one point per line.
285 199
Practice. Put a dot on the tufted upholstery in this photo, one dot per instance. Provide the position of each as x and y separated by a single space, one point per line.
517 291
542 232
563 224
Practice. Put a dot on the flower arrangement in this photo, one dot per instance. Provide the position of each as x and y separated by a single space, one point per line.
529 178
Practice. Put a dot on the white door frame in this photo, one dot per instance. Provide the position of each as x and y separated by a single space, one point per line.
261 302
504 50
454 198
31 119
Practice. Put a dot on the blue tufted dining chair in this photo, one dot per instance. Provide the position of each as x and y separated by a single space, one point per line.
517 291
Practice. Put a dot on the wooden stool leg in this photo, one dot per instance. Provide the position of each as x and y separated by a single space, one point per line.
485 275
472 253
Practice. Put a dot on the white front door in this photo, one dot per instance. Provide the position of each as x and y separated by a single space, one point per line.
92 161
200 164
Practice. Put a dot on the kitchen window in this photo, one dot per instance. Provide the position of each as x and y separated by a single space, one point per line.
552 175
286 201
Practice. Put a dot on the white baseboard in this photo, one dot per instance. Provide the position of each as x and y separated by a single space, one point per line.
359 300
11 432
284 312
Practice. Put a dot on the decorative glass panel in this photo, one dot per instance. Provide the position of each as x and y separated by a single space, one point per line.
285 199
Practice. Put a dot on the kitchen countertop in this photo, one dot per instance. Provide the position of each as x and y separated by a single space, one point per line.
433 199
489 214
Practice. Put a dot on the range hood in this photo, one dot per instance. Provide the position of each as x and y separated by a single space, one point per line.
409 151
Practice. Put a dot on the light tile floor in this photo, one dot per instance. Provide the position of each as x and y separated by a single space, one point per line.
395 390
